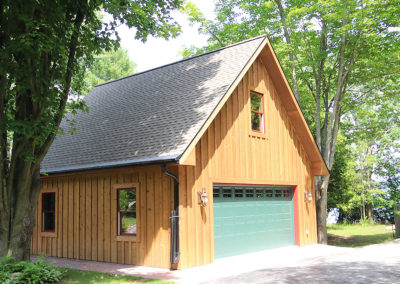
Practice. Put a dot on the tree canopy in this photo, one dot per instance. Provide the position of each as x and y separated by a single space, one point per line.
107 66
44 44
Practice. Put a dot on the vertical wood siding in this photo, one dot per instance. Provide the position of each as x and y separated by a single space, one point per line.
229 152
86 224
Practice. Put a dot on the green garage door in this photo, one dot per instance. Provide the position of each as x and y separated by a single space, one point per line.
252 218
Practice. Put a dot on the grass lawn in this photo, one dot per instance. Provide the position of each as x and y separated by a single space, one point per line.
356 235
76 276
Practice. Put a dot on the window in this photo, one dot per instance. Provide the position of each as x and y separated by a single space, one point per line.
48 212
257 112
127 211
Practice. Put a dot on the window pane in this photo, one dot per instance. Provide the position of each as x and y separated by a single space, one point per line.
259 193
256 102
49 201
127 199
286 194
49 222
255 121
239 193
128 223
227 193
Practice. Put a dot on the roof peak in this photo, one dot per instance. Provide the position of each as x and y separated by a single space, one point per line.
185 59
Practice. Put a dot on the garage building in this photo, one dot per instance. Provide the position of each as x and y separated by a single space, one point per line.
174 167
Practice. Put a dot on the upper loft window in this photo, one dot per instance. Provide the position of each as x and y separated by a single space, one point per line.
257 112
48 212
127 211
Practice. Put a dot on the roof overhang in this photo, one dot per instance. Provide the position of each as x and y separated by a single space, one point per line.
113 164
274 68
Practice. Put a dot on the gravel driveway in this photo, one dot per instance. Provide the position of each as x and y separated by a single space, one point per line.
371 264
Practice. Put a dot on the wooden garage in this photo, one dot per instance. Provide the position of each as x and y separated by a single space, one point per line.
165 155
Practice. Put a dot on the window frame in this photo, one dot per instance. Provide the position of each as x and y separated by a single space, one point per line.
40 207
262 120
126 236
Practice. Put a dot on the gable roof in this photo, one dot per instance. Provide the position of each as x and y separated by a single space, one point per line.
160 114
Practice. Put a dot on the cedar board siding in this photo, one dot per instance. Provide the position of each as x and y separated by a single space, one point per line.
229 152
86 219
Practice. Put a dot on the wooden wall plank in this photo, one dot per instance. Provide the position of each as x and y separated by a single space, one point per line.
149 227
113 220
70 228
100 220
59 185
82 214
76 218
88 221
94 216
107 218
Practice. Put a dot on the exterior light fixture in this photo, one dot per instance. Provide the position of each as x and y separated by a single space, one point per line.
308 196
202 197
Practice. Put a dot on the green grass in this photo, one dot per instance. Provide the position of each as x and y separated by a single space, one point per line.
77 276
356 235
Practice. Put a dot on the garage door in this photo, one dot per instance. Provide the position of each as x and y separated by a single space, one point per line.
252 218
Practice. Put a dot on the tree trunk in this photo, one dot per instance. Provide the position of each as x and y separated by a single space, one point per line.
321 193
18 221
369 212
291 55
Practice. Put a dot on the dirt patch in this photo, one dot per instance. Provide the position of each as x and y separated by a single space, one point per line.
334 240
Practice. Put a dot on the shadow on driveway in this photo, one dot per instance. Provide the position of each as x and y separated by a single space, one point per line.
370 264
340 272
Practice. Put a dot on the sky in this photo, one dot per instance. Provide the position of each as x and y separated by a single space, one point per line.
157 52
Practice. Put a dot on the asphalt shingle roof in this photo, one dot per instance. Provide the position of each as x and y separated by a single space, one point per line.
149 116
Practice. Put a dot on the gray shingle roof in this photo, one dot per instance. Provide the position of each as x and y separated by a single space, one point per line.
149 116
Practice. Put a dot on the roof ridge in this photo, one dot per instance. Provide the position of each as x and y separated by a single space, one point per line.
185 59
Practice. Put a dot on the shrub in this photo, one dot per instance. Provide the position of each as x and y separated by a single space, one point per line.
40 271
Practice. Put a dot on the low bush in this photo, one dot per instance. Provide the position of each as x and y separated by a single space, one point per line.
39 271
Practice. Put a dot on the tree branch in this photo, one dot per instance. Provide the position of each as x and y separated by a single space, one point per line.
68 76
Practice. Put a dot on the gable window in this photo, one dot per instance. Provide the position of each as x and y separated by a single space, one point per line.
127 211
48 212
257 112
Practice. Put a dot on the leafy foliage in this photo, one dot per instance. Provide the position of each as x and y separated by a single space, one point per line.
342 183
40 271
369 154
107 66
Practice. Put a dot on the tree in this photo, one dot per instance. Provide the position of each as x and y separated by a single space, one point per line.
343 182
371 129
43 45
338 54
107 66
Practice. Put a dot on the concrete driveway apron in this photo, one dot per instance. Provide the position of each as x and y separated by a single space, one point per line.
325 264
